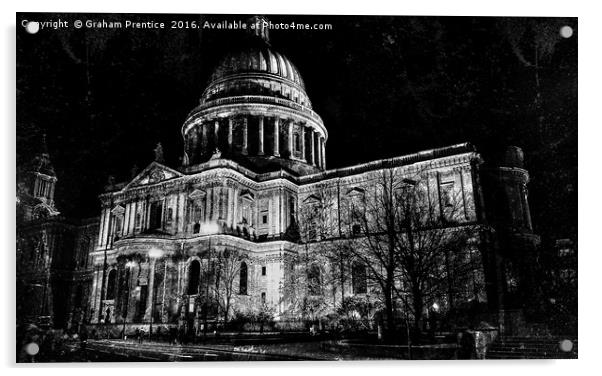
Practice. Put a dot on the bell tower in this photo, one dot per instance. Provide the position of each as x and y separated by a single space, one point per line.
35 193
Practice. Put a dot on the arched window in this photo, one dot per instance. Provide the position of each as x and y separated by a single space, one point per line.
194 273
358 277
243 279
313 280
111 285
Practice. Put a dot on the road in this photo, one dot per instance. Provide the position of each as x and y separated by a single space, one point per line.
119 351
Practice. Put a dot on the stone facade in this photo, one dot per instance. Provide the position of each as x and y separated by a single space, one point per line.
254 160
229 222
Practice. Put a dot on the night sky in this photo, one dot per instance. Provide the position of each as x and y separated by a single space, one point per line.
384 86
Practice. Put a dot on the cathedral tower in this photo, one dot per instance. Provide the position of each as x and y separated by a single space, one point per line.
35 193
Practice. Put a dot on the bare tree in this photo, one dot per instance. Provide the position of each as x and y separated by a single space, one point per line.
303 291
404 240
319 230
219 280
228 265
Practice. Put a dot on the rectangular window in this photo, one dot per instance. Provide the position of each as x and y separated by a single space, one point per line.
264 219
263 270
263 297
156 211
447 199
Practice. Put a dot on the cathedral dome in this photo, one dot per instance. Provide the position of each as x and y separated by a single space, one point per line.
255 111
256 71
263 60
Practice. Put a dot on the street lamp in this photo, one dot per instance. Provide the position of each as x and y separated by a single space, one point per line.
128 266
154 254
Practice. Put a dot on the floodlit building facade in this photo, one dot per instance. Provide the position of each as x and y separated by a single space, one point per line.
254 159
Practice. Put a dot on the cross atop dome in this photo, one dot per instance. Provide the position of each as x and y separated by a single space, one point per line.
258 27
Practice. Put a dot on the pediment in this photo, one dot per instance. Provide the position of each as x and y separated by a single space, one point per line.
118 210
355 192
312 199
197 193
247 195
154 173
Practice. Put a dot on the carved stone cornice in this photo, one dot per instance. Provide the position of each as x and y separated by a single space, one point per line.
515 173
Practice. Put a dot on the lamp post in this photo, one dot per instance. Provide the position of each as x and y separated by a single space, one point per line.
154 254
128 266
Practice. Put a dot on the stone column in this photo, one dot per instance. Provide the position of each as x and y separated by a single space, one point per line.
245 134
126 219
229 206
216 133
312 157
134 217
303 143
215 203
230 134
94 301
276 137
52 187
290 138
260 152
181 210
101 229
323 151
106 227
319 153
193 144
235 207
151 288
204 136
207 211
